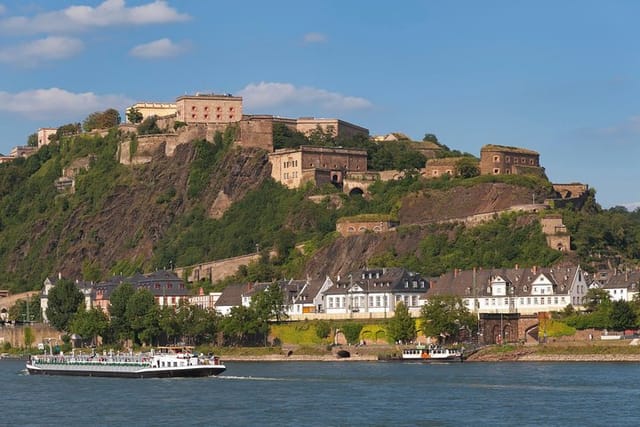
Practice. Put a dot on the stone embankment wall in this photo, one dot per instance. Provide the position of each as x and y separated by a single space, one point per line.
15 334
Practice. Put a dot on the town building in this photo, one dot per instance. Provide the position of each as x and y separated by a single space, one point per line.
558 237
167 288
517 290
336 127
44 134
375 291
320 165
365 223
22 151
502 160
623 286
435 168
208 108
149 109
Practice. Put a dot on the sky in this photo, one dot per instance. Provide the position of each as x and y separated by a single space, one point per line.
561 78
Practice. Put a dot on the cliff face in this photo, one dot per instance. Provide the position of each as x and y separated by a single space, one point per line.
128 223
418 209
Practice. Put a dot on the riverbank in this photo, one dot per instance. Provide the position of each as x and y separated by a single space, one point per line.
574 352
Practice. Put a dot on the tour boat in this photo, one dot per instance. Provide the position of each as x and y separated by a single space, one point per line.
162 362
433 353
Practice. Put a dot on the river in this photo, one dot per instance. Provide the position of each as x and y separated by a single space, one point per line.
334 394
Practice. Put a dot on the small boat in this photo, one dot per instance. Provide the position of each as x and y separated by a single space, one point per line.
433 353
162 362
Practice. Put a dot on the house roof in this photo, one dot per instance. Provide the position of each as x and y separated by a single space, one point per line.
520 280
379 280
231 295
625 280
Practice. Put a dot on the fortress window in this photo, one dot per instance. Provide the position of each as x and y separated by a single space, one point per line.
193 108
218 116
206 116
230 116
496 171
515 160
523 160
530 161
206 108
193 116
496 158
230 109
507 159
218 109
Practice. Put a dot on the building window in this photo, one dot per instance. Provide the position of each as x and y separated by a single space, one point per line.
496 159
507 159
496 171
193 116
218 116
230 116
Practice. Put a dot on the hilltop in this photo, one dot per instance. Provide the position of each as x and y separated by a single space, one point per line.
212 200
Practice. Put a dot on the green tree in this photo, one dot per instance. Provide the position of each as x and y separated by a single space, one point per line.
467 167
269 304
32 141
401 327
118 302
351 331
90 324
27 310
323 329
134 115
64 301
285 137
28 336
242 326
68 130
149 126
101 120
140 315
594 298
443 316
429 137
622 316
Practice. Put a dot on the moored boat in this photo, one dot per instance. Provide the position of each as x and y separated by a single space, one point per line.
162 362
432 353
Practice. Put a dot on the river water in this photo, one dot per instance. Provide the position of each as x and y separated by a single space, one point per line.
335 394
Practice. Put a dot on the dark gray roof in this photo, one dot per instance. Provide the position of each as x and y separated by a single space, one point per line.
231 295
393 279
463 282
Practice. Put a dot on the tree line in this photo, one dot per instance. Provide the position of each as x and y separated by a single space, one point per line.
135 317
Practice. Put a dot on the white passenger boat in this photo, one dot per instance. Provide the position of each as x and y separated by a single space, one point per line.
432 353
162 362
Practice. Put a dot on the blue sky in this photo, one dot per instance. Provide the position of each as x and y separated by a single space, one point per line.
561 78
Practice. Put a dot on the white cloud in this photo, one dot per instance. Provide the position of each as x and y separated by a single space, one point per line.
163 48
269 94
315 38
624 132
57 103
42 50
79 18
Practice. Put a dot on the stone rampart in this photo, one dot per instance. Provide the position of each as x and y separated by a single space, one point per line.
216 270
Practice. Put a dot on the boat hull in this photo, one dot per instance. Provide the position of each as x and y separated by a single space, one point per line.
188 372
